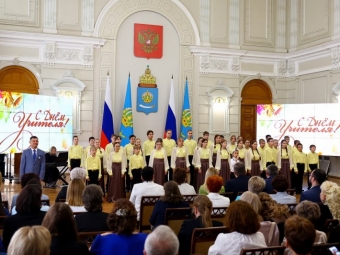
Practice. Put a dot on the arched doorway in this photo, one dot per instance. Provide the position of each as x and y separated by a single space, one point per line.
18 79
254 92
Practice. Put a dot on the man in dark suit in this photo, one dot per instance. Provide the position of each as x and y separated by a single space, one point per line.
33 159
240 183
317 177
271 172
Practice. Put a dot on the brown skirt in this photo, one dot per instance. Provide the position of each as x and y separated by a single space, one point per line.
181 163
225 170
158 170
255 168
285 171
214 157
204 168
241 160
116 184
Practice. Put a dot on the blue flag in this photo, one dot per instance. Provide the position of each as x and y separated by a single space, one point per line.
126 127
186 123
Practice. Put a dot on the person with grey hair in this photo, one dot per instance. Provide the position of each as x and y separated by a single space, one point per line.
271 172
161 241
94 219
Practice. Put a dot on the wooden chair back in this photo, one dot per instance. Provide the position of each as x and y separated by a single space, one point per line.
332 226
189 199
5 204
88 237
322 249
274 250
218 213
45 202
174 217
203 238
240 193
292 208
290 191
229 195
146 207
77 213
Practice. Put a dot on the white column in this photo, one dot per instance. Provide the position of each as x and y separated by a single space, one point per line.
293 24
234 24
88 18
281 25
205 22
336 22
50 16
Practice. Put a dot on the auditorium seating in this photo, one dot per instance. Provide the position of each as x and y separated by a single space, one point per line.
292 208
146 207
323 249
203 238
174 217
274 250
229 195
88 237
218 213
189 199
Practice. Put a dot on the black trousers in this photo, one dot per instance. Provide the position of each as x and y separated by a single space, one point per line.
192 171
51 174
147 159
136 176
93 176
127 178
75 163
299 177
311 167
168 177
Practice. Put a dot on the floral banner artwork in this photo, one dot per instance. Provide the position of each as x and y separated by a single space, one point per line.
317 124
148 41
26 115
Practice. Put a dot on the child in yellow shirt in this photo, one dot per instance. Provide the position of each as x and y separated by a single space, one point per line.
93 167
136 164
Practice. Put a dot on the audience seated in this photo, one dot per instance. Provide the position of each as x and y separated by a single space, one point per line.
202 210
94 219
73 195
272 210
172 199
280 184
271 172
311 212
179 176
123 241
24 180
240 183
33 181
317 177
330 196
255 185
243 226
28 212
254 201
30 241
76 173
214 184
203 190
162 241
59 220
300 235
146 188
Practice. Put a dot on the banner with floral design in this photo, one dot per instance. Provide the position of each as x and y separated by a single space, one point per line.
24 115
317 124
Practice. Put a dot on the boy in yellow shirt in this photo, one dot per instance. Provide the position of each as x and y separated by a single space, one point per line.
93 167
136 164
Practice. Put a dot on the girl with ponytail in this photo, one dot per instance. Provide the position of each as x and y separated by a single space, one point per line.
202 211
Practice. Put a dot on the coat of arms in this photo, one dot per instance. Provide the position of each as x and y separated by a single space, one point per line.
148 41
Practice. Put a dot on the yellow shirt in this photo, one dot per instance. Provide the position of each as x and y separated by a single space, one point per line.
224 154
284 154
312 158
241 153
180 152
108 149
93 163
75 152
210 143
204 153
148 146
216 147
168 145
270 155
116 157
86 152
136 162
190 145
299 157
294 149
231 148
128 150
255 155
158 154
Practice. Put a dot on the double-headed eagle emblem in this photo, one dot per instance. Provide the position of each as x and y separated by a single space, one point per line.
148 40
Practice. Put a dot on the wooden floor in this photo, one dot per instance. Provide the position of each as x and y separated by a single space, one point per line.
12 188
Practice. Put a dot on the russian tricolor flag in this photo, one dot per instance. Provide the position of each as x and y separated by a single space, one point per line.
107 125
171 116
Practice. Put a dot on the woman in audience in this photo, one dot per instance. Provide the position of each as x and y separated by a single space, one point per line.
256 185
271 210
179 176
330 196
94 219
73 195
202 210
59 220
172 199
243 231
203 188
254 201
214 184
311 212
30 241
123 240
28 212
